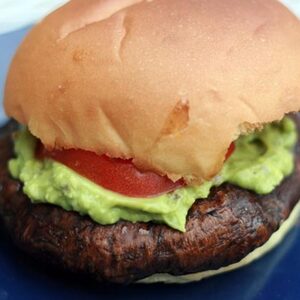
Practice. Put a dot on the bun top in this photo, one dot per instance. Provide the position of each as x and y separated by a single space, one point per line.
169 83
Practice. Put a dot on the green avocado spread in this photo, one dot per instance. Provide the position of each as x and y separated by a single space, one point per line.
259 163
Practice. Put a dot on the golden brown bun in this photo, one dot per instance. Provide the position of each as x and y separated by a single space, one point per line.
169 83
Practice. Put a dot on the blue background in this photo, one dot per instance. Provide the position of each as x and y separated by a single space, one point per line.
276 276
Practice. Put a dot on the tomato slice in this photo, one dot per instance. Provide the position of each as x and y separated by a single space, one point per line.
230 150
118 175
115 174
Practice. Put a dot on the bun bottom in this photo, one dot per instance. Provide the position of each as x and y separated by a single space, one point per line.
275 239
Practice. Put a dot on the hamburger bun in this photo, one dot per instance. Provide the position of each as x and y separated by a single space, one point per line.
168 83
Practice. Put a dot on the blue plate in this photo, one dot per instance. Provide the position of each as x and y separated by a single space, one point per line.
276 276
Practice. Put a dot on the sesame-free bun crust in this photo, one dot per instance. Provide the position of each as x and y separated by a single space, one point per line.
169 83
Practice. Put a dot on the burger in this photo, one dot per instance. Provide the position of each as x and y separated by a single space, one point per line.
153 141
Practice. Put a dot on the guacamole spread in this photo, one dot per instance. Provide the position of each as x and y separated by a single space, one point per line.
259 163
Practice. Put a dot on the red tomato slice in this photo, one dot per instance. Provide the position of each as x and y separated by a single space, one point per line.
230 151
115 174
